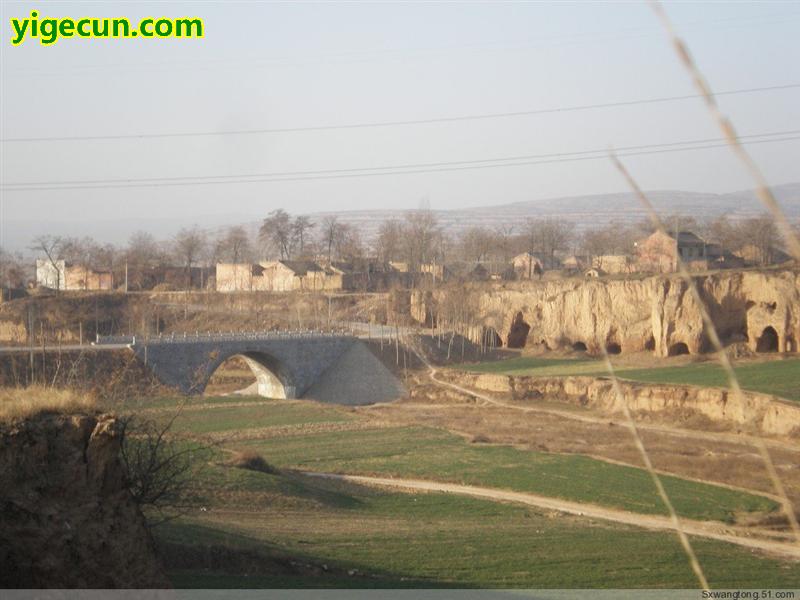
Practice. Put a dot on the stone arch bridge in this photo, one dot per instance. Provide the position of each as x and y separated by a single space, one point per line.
286 365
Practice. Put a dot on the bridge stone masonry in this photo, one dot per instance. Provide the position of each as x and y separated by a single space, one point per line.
286 364
331 367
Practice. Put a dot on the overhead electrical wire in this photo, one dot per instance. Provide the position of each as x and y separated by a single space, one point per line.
405 169
395 123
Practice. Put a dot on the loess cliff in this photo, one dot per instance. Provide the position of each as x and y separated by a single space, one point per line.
658 314
67 519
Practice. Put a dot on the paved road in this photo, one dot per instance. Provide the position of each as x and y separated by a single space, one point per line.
63 348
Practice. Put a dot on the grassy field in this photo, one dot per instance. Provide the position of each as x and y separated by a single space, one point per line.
372 538
417 452
778 377
270 414
428 453
248 528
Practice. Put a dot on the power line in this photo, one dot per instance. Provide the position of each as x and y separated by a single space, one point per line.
289 176
397 123
403 166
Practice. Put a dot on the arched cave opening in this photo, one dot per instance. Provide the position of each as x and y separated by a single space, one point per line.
650 344
518 335
613 348
579 347
768 342
678 349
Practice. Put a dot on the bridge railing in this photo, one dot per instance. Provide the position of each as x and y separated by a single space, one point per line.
232 336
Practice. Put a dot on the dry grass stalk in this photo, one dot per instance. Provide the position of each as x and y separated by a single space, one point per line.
763 190
662 492
19 402
721 353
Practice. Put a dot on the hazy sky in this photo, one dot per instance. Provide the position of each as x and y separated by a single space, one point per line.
284 65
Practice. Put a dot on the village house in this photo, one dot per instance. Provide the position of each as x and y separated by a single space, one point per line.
527 266
278 276
61 275
660 251
614 264
575 263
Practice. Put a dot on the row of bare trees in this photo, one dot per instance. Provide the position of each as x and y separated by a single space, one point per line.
757 236
289 238
416 239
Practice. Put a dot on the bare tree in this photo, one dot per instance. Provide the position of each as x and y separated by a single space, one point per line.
762 236
12 273
504 242
51 246
142 254
348 243
189 245
330 233
421 232
614 238
276 231
300 228
235 245
477 243
388 241
546 237
159 467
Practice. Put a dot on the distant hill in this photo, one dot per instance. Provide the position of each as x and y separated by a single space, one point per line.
583 211
591 211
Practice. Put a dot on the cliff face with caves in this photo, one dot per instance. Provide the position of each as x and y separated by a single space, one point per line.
657 314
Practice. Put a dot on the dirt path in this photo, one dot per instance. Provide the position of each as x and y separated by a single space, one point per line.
674 431
703 529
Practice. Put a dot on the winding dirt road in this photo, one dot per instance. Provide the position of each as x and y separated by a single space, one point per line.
710 530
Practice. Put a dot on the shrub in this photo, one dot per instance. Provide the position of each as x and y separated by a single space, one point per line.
252 461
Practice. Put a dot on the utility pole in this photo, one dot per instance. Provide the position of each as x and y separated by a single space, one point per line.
126 276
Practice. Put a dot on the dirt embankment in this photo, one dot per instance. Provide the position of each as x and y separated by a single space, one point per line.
750 411
656 314
110 375
67 519
68 317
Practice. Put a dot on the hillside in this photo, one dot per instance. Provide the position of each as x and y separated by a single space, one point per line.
583 211
593 210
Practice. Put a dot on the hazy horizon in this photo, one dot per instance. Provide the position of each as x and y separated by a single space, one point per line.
278 66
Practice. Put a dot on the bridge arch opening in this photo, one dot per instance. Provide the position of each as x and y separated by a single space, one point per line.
232 376
252 374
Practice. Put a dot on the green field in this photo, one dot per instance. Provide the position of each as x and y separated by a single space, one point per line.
253 525
429 540
424 453
427 453
777 377
271 414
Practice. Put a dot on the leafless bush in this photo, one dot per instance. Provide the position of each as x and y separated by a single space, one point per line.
159 466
